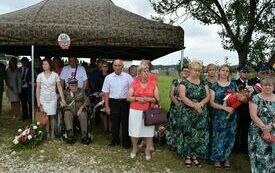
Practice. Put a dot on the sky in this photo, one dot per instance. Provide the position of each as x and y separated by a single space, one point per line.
202 42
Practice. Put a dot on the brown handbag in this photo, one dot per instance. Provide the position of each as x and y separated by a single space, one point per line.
41 117
154 116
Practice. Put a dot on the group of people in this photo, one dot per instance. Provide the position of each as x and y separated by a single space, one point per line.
202 124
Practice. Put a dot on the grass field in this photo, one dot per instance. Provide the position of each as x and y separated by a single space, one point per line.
99 157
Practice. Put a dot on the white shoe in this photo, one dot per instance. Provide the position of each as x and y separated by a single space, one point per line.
147 157
133 155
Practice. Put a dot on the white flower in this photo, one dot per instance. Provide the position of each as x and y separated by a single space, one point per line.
19 130
29 137
34 127
38 123
40 132
15 141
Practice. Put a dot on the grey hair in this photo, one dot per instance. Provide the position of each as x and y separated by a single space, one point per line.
268 80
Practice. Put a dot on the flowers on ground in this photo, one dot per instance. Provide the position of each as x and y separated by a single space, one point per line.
28 136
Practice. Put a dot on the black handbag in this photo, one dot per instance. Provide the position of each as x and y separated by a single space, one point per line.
154 116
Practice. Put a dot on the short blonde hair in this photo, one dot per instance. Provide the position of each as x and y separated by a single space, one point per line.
195 65
142 66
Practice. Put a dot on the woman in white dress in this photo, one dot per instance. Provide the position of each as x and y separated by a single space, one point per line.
13 82
46 93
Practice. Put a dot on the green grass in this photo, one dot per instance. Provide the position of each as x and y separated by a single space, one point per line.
164 88
101 157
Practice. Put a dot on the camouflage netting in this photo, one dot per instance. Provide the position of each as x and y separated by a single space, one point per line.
97 28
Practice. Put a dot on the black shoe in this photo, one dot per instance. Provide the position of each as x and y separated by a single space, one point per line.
70 137
113 144
86 140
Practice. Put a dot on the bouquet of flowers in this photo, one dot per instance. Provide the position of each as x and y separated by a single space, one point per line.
235 99
28 137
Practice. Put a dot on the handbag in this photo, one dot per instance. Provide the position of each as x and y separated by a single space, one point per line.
154 116
270 139
41 117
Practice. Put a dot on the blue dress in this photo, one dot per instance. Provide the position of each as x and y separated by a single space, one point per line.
223 128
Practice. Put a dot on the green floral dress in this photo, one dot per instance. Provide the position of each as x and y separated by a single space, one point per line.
261 153
193 128
170 133
223 128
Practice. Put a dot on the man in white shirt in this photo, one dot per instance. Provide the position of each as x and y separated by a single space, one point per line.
115 89
73 70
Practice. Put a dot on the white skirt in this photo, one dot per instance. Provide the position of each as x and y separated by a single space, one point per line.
136 125
49 107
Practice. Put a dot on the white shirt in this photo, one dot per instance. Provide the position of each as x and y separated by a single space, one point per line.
69 72
117 85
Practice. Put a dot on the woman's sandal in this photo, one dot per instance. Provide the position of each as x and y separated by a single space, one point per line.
227 165
196 162
188 162
217 165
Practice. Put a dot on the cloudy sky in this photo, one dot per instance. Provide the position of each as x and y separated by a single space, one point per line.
201 42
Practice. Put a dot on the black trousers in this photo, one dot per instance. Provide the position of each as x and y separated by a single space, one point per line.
243 121
120 115
25 103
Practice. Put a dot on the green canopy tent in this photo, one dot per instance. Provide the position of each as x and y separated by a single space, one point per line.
97 28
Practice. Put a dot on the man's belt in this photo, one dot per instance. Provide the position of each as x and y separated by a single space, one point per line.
118 100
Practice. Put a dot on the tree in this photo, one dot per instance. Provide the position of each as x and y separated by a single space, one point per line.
243 21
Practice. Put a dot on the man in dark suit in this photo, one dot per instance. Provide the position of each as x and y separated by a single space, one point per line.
25 102
2 78
262 72
243 112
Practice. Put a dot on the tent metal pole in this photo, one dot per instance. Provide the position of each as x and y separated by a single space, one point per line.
32 49
181 58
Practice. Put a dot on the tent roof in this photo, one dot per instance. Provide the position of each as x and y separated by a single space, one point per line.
97 28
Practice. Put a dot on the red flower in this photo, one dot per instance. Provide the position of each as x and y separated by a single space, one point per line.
24 138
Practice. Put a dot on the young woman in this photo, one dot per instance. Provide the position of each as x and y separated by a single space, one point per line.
46 93
223 128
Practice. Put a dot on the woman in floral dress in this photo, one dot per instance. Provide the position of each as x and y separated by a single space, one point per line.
170 133
262 112
223 126
193 135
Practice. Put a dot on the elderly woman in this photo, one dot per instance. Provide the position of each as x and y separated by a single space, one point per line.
170 133
262 112
143 93
192 142
223 128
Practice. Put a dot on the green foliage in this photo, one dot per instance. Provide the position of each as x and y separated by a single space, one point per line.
243 22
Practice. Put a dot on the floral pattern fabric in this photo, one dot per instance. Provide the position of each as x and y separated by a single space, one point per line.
261 153
193 128
170 133
223 128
